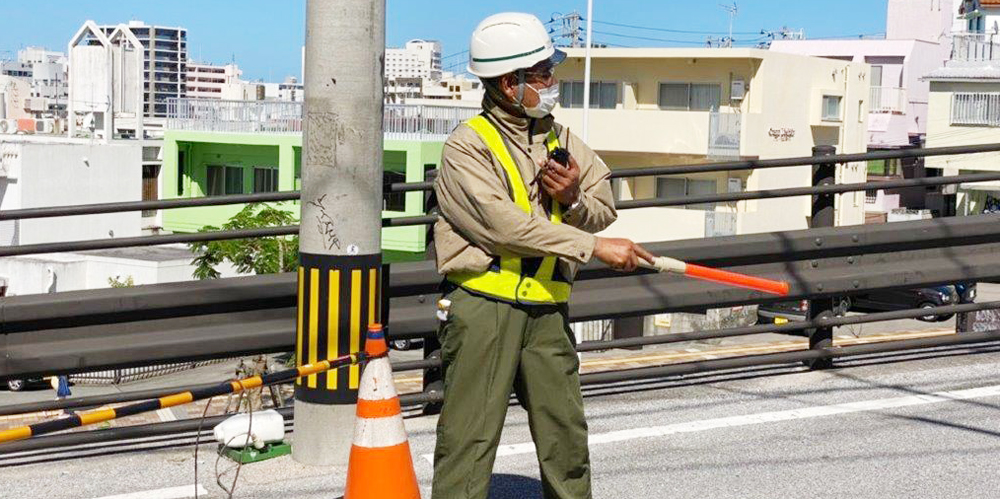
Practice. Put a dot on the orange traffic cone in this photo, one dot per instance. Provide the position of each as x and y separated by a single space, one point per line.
380 466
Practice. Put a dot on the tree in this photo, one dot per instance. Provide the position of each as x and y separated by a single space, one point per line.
263 255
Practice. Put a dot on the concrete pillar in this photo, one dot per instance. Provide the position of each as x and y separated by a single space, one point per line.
340 243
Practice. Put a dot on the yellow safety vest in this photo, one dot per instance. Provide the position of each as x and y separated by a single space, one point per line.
514 279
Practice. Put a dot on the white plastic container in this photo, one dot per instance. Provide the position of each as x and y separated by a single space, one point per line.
239 431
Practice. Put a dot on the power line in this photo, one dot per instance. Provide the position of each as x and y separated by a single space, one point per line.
664 40
679 31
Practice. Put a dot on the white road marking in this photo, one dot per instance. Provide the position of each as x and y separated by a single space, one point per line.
764 417
166 415
169 493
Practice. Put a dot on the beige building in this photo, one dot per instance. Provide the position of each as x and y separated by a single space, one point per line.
661 107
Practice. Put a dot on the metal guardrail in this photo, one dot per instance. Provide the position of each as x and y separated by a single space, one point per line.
975 47
193 321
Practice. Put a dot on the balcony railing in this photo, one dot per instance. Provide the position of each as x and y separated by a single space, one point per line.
401 122
975 108
975 47
724 136
887 100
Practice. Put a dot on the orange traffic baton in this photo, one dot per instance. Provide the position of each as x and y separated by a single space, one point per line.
665 264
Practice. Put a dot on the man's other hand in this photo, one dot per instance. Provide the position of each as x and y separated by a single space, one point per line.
561 182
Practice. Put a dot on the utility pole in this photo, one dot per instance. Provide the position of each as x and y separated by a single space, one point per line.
733 10
339 274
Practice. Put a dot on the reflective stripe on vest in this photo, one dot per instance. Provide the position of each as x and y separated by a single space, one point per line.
509 282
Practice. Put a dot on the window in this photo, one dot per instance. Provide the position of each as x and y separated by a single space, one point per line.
603 94
975 108
690 96
222 180
674 188
393 201
831 108
265 179
181 171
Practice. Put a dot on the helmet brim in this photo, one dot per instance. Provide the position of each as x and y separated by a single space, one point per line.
557 57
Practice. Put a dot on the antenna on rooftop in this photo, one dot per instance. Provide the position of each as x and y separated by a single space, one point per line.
733 11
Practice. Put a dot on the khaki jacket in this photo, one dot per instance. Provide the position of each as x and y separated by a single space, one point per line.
479 219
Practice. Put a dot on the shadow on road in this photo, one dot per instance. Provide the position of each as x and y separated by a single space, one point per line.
514 487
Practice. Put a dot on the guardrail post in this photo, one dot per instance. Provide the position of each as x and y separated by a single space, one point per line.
822 216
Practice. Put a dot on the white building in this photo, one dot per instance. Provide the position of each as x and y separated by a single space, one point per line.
289 90
656 107
164 63
49 81
209 81
965 107
417 59
454 88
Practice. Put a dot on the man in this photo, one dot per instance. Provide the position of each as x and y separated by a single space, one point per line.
514 227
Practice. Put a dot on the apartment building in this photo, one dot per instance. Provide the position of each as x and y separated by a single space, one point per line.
964 108
915 44
46 73
662 107
210 81
164 63
416 59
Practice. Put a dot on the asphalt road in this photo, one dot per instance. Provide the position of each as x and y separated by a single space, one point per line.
873 427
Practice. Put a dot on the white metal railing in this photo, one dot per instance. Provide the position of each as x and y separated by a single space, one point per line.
975 108
408 122
724 135
401 122
887 100
975 47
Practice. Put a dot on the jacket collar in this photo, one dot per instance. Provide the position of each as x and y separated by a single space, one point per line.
521 130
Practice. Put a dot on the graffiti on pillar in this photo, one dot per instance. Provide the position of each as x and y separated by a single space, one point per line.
986 320
325 224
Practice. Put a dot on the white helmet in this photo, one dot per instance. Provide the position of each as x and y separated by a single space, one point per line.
506 42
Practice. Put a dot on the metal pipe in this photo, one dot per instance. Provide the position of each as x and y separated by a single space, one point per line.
803 161
93 209
591 346
89 209
806 191
117 398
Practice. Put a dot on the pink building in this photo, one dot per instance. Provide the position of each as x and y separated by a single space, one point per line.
916 43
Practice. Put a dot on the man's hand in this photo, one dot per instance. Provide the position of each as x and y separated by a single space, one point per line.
621 254
561 182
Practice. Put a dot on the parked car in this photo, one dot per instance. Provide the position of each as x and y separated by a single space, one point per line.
903 299
16 385
877 301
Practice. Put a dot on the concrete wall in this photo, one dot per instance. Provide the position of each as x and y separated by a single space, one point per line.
929 20
58 272
56 174
941 133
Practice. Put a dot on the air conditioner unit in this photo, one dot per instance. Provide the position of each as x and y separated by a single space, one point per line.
8 126
738 90
46 126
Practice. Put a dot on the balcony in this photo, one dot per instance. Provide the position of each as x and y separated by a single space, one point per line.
887 100
724 136
401 122
643 130
974 47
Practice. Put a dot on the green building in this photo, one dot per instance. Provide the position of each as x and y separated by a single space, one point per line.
215 148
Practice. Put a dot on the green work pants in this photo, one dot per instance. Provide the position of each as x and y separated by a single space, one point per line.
487 348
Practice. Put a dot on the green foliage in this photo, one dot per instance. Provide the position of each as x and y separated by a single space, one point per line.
264 255
116 282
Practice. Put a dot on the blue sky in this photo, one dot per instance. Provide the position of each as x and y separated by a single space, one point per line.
265 36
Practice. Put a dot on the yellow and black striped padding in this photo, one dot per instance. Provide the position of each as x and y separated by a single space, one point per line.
339 297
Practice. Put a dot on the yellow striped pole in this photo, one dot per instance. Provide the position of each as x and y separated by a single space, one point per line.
236 386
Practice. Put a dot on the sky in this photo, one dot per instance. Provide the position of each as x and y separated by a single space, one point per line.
265 36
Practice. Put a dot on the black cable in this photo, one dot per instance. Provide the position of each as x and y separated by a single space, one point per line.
681 31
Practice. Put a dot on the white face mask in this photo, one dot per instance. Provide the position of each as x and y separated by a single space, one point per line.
548 97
